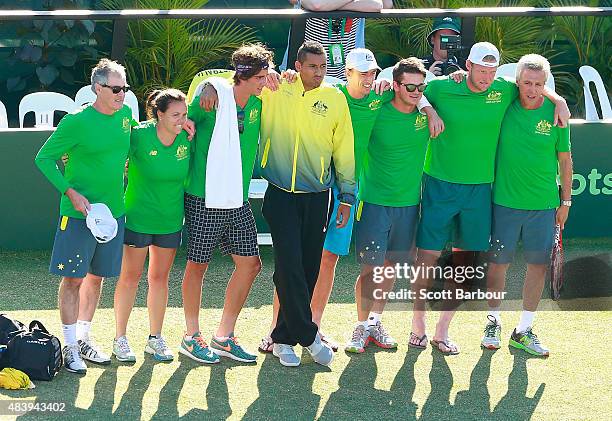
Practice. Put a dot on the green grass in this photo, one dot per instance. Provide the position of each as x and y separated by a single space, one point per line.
573 383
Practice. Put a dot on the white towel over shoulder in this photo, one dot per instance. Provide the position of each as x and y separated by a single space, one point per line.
224 163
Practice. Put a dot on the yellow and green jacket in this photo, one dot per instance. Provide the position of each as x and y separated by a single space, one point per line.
302 132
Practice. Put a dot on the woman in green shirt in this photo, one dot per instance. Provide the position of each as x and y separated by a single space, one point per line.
158 164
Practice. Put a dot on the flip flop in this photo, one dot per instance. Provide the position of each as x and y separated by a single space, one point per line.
422 341
266 344
448 343
329 341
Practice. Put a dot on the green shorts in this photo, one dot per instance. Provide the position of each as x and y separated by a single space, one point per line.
460 213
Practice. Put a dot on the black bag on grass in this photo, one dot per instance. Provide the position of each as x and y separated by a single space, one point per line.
9 328
35 352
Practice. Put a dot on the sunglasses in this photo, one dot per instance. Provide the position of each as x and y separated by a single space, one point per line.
336 25
411 87
117 89
240 115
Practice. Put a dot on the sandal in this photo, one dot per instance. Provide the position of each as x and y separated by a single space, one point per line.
452 348
328 341
266 344
416 342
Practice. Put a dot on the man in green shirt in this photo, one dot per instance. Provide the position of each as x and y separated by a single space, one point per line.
97 140
459 170
526 201
230 226
389 194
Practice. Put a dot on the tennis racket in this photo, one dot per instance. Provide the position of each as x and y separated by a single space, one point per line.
556 265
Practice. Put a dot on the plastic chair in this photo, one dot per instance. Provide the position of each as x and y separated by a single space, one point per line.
332 80
508 70
44 104
3 117
86 96
589 74
387 74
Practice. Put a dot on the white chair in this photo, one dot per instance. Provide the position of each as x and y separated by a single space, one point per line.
257 189
387 74
508 70
589 75
132 102
3 117
333 80
86 96
44 104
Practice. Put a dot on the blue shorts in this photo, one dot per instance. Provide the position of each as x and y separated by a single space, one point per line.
535 229
77 253
338 240
457 212
385 232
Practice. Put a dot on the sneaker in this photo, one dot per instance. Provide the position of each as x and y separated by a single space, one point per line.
321 353
380 337
492 334
159 349
286 355
528 342
90 351
198 350
72 359
359 340
266 344
231 348
122 350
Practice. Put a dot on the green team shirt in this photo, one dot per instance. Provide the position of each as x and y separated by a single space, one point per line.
97 145
464 152
363 116
154 198
526 173
205 123
393 168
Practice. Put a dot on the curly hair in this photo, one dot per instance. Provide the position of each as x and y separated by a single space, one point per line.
251 59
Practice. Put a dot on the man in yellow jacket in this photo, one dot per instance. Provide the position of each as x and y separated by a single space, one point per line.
305 125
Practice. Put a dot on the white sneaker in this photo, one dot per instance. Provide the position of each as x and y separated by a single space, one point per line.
90 351
72 359
159 349
122 350
286 355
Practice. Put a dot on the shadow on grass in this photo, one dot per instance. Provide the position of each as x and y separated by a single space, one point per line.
287 393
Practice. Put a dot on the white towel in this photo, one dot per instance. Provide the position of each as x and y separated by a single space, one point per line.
224 163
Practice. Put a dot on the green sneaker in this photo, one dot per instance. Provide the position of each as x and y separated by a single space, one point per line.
198 350
492 334
528 342
230 348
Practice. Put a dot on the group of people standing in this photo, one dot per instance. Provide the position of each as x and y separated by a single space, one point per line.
416 161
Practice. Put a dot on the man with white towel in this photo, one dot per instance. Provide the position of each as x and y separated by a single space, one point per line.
217 211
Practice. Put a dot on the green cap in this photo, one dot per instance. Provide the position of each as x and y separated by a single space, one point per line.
454 24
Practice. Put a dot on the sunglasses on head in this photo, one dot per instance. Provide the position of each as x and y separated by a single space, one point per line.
117 89
240 115
411 87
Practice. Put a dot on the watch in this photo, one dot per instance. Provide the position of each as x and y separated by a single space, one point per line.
567 203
